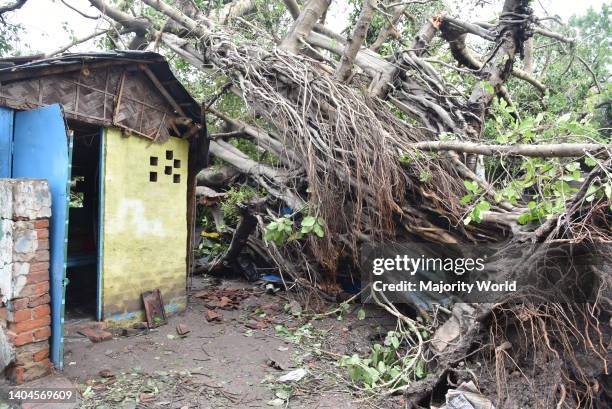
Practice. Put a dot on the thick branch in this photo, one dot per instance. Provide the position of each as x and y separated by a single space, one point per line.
304 24
558 150
463 55
12 6
293 7
232 10
258 171
354 42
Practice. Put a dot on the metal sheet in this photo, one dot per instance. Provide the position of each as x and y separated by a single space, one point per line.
6 141
42 150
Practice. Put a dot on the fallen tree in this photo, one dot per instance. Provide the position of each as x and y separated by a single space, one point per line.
369 149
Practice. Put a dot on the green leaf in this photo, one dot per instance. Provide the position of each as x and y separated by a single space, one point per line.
307 229
309 221
471 186
466 199
318 229
361 314
420 370
524 218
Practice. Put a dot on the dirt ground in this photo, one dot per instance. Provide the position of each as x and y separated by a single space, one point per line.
231 363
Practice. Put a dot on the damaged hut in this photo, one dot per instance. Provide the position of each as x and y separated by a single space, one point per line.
111 134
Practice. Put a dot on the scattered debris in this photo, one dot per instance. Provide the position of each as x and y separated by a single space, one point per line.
154 308
223 298
295 308
182 329
140 325
466 396
295 376
272 363
212 315
96 334
106 373
130 332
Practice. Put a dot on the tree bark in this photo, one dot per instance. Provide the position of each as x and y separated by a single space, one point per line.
354 42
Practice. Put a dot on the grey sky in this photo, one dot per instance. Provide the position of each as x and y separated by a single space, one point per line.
44 20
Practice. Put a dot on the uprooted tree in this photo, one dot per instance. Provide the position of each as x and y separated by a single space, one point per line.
399 130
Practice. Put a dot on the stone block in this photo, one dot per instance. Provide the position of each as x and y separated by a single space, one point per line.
6 199
25 242
31 199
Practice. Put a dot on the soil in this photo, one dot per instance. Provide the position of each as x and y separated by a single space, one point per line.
233 362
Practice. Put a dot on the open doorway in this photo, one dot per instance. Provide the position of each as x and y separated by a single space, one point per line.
83 223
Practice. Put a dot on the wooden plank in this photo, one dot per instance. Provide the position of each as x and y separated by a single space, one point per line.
118 98
162 90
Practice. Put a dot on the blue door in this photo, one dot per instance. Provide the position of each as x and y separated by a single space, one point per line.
41 150
6 141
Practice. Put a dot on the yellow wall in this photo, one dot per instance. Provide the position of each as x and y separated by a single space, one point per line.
145 227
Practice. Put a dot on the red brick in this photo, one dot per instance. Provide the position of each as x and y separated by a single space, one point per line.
37 277
96 334
37 289
23 339
19 304
16 374
37 267
42 234
43 244
41 311
42 334
25 326
22 315
41 255
40 355
36 301
41 223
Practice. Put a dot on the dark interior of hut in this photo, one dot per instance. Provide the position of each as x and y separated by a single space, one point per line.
83 222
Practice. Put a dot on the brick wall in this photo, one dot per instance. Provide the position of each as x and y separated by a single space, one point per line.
25 313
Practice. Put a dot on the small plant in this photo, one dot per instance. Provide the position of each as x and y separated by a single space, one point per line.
474 196
279 230
384 365
298 335
282 229
234 197
211 248
311 224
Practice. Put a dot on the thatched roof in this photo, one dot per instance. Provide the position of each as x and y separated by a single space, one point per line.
134 90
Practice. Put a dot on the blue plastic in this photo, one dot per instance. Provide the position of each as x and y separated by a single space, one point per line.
41 150
271 278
